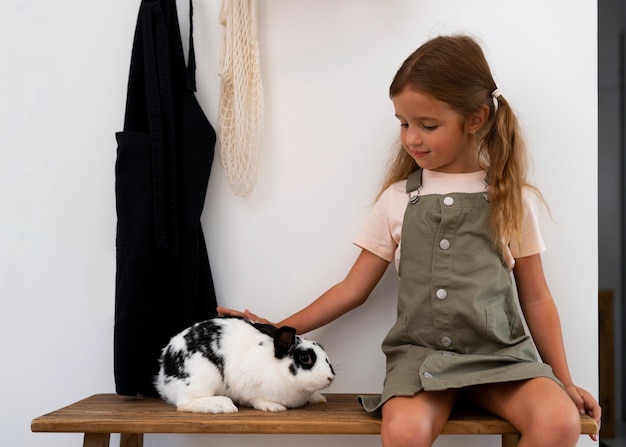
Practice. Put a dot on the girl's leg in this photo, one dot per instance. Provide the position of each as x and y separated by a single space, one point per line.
539 408
416 421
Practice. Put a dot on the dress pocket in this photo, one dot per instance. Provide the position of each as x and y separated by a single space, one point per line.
504 323
134 192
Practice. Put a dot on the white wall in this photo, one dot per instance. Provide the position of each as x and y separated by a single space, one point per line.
329 129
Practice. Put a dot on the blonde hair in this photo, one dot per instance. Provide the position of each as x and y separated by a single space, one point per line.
454 70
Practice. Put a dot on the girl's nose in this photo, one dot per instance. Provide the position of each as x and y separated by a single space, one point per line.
413 137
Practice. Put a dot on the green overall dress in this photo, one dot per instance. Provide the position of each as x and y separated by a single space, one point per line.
458 322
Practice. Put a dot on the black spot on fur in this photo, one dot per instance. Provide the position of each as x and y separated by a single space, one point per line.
267 329
205 338
331 366
172 362
303 359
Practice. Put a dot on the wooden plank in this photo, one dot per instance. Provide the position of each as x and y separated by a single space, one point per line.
131 440
110 413
510 440
606 334
96 439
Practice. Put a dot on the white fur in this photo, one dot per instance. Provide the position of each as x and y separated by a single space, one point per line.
252 375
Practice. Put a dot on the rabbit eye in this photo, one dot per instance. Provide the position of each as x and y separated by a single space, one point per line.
306 359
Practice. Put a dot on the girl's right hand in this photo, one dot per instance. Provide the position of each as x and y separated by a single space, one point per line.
227 312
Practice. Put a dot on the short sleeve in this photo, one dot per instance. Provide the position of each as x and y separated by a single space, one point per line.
531 242
382 229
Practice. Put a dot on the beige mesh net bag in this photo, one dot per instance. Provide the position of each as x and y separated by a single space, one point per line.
241 95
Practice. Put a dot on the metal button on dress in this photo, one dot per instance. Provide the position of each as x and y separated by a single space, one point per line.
446 341
444 244
448 201
428 375
442 294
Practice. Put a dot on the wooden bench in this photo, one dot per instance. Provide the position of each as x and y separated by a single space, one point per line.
102 414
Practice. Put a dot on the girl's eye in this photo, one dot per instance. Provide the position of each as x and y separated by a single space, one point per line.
424 126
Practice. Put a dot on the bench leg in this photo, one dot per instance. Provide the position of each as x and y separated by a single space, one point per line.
131 440
510 440
96 439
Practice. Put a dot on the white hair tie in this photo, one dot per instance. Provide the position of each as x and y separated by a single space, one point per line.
495 94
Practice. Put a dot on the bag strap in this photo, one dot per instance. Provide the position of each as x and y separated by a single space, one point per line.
191 60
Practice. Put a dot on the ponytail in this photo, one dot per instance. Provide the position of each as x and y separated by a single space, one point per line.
504 149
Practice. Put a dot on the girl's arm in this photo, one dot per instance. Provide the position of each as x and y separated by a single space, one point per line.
336 301
545 327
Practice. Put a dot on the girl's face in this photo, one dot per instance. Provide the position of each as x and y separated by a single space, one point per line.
434 134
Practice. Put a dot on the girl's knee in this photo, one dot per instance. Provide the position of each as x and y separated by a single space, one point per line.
406 431
566 425
558 427
416 421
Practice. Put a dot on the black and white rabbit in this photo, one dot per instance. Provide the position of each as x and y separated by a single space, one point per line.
209 366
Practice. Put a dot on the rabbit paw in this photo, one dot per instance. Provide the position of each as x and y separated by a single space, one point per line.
317 398
211 404
266 405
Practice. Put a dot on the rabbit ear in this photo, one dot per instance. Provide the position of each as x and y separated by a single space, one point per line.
284 340
268 329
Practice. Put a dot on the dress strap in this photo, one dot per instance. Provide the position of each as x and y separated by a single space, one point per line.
414 181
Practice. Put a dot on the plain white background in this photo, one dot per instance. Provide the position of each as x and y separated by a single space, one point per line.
329 129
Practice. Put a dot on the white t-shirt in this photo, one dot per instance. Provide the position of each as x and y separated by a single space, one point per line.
383 228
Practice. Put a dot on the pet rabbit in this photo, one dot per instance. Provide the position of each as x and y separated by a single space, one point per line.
209 366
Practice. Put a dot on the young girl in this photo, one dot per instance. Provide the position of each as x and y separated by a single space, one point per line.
455 216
